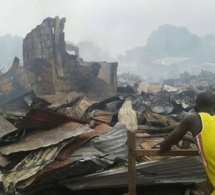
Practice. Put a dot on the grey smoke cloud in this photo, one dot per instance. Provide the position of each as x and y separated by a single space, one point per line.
113 25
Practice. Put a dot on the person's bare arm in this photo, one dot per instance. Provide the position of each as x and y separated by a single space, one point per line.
188 138
176 135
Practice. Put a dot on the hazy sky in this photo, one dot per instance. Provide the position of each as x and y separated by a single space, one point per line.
114 25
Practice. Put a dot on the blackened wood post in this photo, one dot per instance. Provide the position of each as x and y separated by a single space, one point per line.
131 163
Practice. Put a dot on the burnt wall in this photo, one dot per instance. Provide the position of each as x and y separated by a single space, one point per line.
51 69
41 76
39 43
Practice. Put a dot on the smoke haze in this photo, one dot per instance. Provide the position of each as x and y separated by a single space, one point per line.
113 25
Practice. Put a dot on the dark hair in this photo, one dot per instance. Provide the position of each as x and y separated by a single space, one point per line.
205 99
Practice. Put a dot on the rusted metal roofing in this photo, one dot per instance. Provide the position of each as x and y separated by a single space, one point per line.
172 170
98 130
44 119
49 160
101 115
68 164
78 110
29 166
113 143
5 127
41 139
101 105
60 99
85 160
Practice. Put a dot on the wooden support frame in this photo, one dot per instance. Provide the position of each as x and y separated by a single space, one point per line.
133 153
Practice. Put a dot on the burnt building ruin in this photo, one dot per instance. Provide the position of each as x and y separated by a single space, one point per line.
51 69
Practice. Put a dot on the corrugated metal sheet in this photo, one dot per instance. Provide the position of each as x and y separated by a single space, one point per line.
74 160
113 143
78 110
40 139
77 168
101 115
38 165
100 129
101 105
44 119
5 127
60 99
85 161
29 166
173 170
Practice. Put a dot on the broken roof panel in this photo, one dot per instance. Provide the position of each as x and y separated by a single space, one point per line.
113 143
47 161
101 115
101 105
172 170
89 161
6 127
44 119
78 110
41 139
85 160
60 99
29 166
76 168
100 129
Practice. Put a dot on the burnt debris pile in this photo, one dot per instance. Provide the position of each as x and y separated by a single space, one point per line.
63 118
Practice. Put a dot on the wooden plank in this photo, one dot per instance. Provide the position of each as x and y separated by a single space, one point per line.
156 152
133 153
131 163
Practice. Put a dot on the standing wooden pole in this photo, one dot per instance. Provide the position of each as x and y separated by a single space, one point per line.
131 163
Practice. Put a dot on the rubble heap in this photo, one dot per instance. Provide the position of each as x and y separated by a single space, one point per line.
68 137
